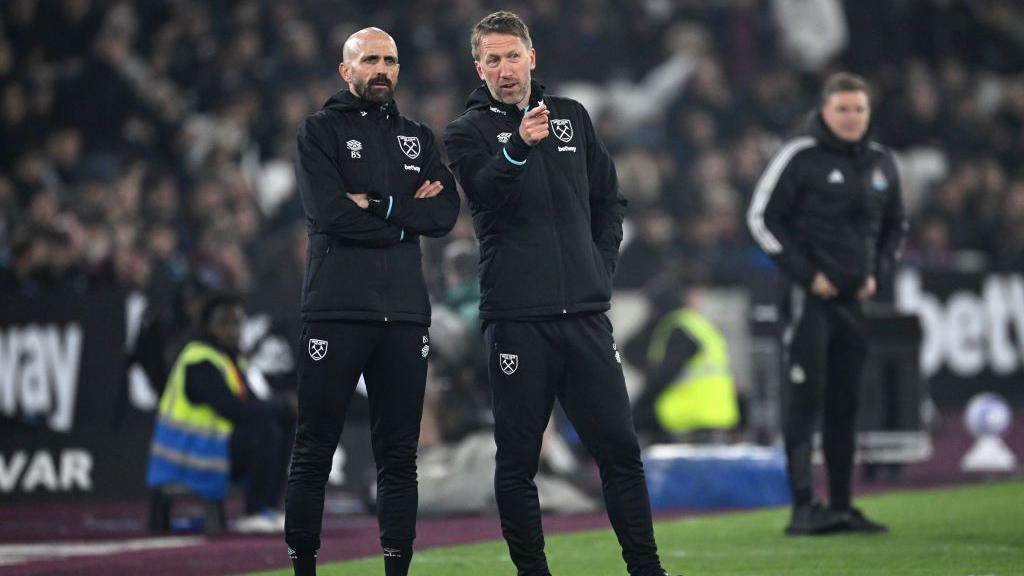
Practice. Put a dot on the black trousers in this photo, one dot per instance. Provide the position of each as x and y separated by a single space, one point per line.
826 344
575 360
393 360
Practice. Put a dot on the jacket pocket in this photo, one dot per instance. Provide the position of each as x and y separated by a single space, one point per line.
604 275
315 264
319 248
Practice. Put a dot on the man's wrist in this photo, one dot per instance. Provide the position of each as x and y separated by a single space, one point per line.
517 147
381 207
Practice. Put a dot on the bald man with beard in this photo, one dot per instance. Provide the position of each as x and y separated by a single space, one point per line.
371 183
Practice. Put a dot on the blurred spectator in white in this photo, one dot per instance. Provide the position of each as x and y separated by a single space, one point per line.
813 31
620 96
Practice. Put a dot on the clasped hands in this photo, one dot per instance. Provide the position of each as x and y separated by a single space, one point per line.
822 287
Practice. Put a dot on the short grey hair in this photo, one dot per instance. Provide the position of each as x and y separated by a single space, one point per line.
501 22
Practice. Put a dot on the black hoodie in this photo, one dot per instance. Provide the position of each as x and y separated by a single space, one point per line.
365 264
825 204
548 217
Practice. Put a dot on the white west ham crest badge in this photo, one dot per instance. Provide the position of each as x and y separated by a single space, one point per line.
410 146
562 129
317 349
504 136
508 363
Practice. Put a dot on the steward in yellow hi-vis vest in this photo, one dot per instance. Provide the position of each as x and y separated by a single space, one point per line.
703 395
191 442
211 430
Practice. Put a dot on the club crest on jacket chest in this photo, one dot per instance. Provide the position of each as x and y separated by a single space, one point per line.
562 129
410 146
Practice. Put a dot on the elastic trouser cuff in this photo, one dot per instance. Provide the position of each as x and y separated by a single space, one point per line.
304 564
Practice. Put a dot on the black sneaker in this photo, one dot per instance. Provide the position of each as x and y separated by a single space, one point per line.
855 521
812 519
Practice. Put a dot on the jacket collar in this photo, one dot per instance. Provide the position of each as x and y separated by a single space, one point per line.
816 127
345 101
481 99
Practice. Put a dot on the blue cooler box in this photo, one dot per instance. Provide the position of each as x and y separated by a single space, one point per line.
689 476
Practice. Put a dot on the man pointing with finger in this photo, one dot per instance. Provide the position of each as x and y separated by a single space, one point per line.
371 182
548 215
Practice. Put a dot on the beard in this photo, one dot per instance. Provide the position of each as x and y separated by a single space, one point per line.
515 97
378 89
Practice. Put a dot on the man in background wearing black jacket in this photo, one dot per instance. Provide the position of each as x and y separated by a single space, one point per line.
828 211
548 215
371 182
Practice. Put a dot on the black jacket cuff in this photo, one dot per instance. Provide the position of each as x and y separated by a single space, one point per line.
517 148
380 207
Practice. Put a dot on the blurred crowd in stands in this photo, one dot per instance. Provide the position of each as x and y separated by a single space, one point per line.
148 145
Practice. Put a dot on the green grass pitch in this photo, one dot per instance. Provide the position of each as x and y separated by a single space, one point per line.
966 531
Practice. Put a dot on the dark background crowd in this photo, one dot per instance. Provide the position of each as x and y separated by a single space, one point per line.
148 146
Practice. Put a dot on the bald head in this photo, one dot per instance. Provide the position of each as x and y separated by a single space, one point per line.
358 41
370 64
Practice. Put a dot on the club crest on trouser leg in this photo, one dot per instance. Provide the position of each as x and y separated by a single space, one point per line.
508 363
410 146
562 128
317 349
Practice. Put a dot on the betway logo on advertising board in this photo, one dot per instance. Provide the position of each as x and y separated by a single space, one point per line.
968 331
39 372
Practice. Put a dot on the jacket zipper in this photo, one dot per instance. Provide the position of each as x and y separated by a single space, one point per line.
558 244
864 197
385 163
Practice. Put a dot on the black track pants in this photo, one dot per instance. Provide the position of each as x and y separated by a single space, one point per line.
575 360
392 358
826 346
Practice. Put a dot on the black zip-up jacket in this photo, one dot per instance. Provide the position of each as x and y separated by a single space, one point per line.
365 264
548 217
827 205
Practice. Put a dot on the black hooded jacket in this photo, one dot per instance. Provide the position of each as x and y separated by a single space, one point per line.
824 204
365 264
548 217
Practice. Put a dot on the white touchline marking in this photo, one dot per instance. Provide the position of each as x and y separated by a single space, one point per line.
11 554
